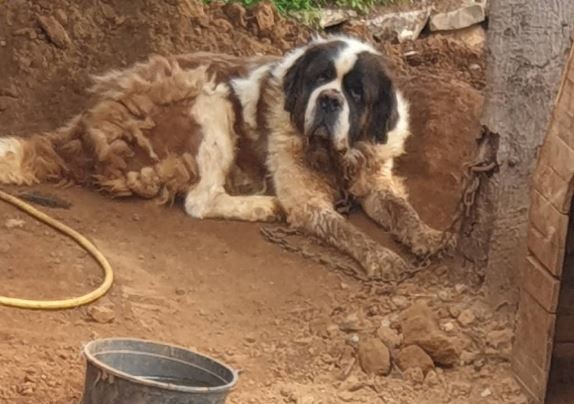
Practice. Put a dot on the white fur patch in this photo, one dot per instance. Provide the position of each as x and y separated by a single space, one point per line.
213 112
11 157
396 138
248 90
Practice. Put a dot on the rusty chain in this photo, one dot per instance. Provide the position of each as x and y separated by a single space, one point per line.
474 173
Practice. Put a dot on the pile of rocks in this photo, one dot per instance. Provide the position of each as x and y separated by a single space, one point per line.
465 22
416 349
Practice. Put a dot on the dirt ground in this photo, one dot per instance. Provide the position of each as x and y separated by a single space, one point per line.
294 328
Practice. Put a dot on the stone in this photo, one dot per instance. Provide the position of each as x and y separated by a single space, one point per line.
55 31
374 357
460 288
468 357
102 314
500 340
14 224
415 375
448 326
264 16
466 318
420 328
390 337
486 393
351 323
401 302
460 388
402 26
457 19
454 311
473 37
236 13
431 379
332 17
61 16
413 356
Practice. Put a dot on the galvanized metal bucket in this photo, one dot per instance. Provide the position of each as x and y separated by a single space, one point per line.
132 371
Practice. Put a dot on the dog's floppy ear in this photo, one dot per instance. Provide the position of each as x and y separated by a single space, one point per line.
293 83
385 110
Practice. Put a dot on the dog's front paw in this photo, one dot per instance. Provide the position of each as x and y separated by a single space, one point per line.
430 242
381 263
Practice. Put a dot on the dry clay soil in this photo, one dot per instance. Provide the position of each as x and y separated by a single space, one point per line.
291 326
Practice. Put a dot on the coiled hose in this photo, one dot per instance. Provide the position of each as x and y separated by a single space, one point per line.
79 239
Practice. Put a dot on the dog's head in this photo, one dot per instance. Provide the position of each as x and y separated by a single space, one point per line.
339 92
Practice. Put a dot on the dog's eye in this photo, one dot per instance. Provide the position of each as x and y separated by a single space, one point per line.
356 93
323 77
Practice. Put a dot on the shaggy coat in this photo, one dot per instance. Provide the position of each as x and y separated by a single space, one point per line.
254 139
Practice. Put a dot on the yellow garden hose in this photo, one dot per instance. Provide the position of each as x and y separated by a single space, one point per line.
79 239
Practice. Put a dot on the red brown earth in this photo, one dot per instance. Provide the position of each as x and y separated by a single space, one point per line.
289 324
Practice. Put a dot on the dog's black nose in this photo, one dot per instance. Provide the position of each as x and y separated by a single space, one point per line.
330 100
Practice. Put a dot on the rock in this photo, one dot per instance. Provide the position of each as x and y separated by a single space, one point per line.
264 16
403 26
14 224
454 311
486 393
473 37
236 13
179 291
415 375
413 356
431 379
466 318
374 357
468 357
390 337
447 327
352 340
351 323
420 328
500 340
223 25
401 302
332 17
55 31
61 16
462 18
460 388
102 314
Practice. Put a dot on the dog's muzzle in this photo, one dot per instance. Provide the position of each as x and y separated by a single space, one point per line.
329 106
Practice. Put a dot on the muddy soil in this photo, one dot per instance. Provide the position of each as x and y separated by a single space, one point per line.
298 331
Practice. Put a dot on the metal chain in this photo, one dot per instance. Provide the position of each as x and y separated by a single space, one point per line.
474 173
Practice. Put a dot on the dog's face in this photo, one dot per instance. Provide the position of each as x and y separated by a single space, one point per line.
339 92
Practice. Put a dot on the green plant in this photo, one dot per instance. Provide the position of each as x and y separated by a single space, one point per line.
310 8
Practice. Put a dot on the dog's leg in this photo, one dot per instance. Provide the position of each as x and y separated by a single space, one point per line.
216 155
324 222
214 203
309 205
388 205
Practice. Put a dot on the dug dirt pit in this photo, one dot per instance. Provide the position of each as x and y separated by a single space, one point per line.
299 332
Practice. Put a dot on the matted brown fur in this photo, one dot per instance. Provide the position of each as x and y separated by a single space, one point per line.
137 136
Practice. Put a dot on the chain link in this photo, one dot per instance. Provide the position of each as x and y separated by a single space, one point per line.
474 173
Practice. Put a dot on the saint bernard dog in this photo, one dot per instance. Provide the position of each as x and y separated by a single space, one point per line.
246 138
